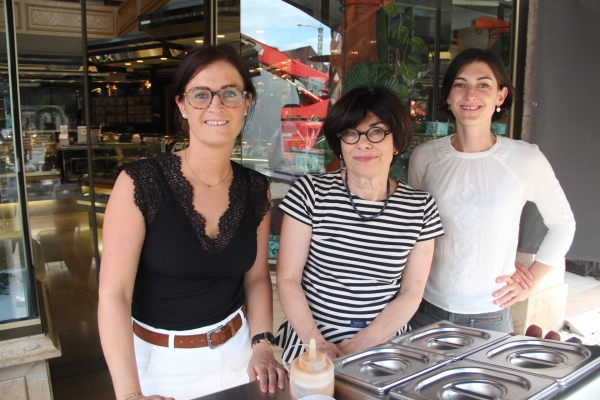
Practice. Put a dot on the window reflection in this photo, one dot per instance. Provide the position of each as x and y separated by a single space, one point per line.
15 284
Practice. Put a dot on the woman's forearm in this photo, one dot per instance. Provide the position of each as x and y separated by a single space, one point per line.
513 292
391 319
295 307
259 300
116 336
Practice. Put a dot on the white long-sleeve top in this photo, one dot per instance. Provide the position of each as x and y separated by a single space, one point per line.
480 197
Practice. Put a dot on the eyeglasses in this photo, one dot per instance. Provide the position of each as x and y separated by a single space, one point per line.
230 96
374 135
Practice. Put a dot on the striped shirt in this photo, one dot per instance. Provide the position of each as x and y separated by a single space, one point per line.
354 267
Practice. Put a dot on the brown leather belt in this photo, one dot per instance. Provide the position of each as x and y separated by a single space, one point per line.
214 338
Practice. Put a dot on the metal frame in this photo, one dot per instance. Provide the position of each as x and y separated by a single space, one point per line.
15 104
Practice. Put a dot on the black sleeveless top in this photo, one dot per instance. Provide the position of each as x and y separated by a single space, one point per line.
186 280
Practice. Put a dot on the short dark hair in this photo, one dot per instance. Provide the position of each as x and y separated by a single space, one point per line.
493 60
351 110
200 57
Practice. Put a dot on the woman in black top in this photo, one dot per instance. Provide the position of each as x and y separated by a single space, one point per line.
185 252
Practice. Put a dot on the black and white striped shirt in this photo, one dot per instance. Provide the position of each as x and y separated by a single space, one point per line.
354 267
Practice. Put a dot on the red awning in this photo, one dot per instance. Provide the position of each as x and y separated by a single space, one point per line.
276 59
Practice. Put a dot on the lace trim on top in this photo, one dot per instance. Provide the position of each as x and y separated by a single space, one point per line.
147 198
147 188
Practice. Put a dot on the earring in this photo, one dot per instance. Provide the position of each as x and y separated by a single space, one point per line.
395 152
449 108
184 116
341 157
498 109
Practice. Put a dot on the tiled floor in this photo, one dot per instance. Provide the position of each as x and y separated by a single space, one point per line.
584 295
93 386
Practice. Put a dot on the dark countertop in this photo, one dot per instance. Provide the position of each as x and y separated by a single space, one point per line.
251 391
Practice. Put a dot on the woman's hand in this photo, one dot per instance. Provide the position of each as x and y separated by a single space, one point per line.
510 294
265 368
522 276
330 350
349 346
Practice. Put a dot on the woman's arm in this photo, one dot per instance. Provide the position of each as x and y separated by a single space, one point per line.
124 232
400 310
514 292
293 252
542 188
259 300
522 276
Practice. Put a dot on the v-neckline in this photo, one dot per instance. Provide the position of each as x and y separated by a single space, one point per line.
196 215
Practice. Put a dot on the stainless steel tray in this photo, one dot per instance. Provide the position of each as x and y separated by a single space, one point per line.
465 380
562 361
382 367
449 340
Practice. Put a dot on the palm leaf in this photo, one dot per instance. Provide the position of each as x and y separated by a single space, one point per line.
362 74
368 74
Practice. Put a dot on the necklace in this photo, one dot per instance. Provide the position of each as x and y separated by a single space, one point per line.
354 205
201 181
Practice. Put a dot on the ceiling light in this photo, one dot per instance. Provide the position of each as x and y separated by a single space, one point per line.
163 58
127 63
140 61
220 36
199 41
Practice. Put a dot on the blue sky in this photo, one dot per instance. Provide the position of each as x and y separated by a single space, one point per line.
279 21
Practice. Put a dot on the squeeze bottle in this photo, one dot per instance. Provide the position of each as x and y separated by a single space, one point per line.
311 373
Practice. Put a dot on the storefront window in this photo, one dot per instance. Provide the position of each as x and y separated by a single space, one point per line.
304 55
54 151
17 301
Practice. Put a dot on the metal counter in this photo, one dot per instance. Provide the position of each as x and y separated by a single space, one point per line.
586 387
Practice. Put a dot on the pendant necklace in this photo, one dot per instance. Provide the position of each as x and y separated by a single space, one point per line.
354 205
205 184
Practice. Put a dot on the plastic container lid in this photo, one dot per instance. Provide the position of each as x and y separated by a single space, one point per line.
312 360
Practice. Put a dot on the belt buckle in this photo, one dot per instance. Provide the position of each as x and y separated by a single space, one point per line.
216 330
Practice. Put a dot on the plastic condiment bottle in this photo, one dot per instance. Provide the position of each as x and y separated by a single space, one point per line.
311 373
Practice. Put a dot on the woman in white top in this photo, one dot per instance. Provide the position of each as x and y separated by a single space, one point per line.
480 182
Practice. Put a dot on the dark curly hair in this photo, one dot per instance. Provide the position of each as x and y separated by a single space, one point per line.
351 110
469 56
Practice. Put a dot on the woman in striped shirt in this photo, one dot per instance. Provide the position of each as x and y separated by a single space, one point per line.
356 246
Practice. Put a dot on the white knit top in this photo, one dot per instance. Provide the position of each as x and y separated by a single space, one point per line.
480 197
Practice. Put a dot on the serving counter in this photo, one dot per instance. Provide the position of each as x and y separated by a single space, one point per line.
447 361
587 387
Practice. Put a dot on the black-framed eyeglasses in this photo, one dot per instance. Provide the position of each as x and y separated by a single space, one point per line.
230 96
374 135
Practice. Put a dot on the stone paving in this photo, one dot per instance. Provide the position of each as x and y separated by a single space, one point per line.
582 316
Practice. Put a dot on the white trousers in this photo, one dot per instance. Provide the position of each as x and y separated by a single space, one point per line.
189 373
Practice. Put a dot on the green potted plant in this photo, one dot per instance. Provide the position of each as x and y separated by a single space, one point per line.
402 76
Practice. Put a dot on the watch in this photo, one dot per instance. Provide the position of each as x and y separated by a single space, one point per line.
267 336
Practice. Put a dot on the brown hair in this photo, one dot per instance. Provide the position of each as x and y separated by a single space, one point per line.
197 59
351 109
469 56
